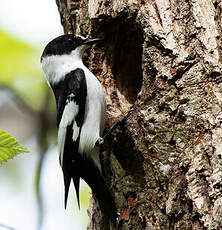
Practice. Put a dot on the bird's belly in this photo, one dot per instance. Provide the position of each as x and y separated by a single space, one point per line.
94 118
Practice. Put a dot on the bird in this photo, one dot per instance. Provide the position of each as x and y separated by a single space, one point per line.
81 107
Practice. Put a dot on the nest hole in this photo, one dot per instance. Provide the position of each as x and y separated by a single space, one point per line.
124 48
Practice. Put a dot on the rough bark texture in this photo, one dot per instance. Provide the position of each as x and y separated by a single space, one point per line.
164 164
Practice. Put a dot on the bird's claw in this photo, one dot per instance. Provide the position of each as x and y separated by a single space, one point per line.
100 141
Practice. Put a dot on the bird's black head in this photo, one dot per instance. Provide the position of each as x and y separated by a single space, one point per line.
65 44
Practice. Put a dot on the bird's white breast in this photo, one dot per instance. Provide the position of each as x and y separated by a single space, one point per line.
94 118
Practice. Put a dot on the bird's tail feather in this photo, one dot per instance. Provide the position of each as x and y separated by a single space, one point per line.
67 180
92 176
76 165
70 165
76 185
90 173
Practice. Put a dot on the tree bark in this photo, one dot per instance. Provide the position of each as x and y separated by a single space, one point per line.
164 163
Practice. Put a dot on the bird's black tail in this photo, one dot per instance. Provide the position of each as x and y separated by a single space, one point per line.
87 170
92 176
76 166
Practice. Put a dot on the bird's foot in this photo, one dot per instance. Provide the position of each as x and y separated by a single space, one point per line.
100 141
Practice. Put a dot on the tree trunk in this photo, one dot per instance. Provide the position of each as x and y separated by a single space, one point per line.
164 163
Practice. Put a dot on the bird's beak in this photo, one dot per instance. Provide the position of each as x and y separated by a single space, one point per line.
89 41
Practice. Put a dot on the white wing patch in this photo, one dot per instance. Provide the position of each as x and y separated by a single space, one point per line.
61 142
70 112
75 131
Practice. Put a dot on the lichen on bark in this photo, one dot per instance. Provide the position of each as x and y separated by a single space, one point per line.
163 164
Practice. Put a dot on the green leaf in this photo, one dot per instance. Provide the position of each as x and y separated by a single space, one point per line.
9 147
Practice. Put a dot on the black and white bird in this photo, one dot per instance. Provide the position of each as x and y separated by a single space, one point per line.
81 109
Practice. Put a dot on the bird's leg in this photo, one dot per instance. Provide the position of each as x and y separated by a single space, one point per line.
123 118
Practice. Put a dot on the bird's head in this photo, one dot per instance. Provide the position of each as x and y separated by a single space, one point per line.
68 44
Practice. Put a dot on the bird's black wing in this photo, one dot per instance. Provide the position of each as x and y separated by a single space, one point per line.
70 97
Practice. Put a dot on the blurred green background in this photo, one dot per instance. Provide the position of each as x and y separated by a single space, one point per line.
31 185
